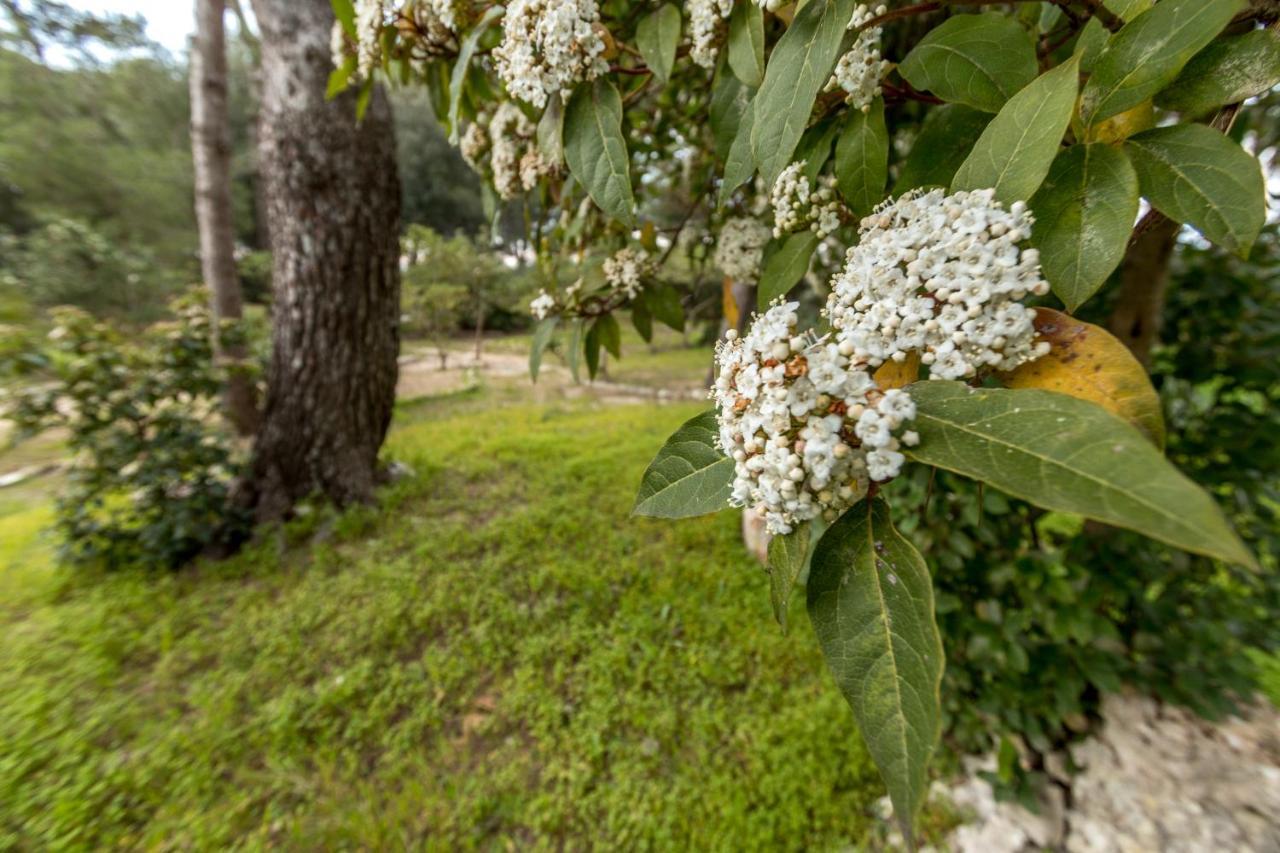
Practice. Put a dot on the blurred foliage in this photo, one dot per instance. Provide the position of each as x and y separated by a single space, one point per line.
439 189
450 283
151 470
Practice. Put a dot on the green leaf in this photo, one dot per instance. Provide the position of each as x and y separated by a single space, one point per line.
551 131
1068 455
1192 173
1090 44
862 159
595 149
786 260
463 63
541 338
1128 9
664 302
575 348
739 163
729 99
657 36
1014 153
1084 213
871 603
1147 54
746 43
800 65
815 147
1228 71
788 557
345 12
591 351
610 334
977 60
340 78
363 99
689 476
642 318
946 138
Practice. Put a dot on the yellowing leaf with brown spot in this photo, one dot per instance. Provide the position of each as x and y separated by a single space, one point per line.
894 374
1088 363
1120 127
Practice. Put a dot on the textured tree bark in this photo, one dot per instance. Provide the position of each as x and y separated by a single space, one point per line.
334 205
211 153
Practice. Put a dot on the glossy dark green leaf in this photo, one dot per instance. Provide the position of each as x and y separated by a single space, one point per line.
657 36
1014 153
689 476
977 60
595 149
862 159
1193 174
1228 71
664 302
1069 455
871 603
946 138
786 260
1084 212
800 65
591 351
746 43
541 338
1148 52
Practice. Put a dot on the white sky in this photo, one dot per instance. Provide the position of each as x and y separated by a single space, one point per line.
169 22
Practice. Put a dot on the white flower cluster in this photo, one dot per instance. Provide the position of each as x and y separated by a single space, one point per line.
796 205
548 46
627 269
514 158
369 19
808 429
706 29
940 274
740 249
435 24
543 305
859 71
474 146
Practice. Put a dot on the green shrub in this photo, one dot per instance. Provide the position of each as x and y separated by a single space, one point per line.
152 470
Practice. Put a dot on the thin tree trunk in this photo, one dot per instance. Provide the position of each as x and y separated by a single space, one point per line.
479 341
334 204
211 152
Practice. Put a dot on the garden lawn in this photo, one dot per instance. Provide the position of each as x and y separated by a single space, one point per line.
501 657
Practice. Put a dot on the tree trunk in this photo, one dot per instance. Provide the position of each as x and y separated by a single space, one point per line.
333 205
211 153
1144 278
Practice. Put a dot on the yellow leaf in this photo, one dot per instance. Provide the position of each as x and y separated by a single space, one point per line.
894 374
731 314
649 237
1089 363
1120 127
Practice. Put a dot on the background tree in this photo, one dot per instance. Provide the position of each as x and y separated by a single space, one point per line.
211 154
333 201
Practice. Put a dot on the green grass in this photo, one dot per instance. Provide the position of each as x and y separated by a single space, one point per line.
501 658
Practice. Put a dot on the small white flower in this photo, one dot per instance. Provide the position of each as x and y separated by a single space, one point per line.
543 305
797 205
807 428
940 274
548 47
859 71
626 271
707 29
740 249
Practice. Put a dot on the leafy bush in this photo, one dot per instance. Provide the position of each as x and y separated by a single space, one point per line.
152 470
68 262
